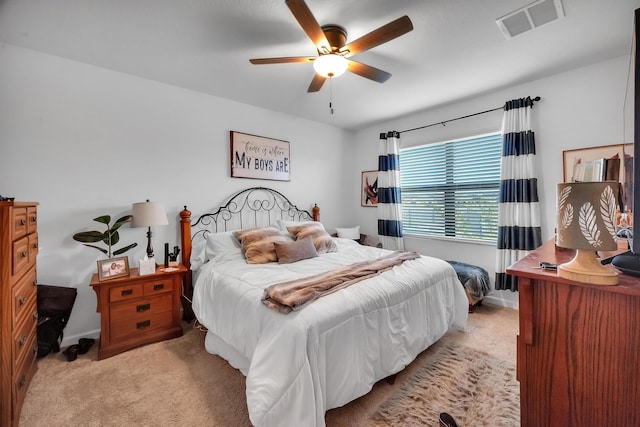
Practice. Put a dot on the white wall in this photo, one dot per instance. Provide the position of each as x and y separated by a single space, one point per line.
580 108
86 141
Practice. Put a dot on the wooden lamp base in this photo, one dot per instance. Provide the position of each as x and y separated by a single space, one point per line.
585 267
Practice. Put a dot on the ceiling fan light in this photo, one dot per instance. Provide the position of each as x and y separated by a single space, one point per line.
330 65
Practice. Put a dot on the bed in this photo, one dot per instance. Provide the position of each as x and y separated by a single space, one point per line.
331 350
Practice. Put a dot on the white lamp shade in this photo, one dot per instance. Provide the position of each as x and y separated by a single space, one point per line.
330 65
147 214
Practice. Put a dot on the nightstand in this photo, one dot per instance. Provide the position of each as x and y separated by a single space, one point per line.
138 310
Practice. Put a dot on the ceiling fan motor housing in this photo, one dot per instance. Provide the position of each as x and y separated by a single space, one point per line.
336 36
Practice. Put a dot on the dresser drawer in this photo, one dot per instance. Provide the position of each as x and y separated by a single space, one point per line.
25 290
20 255
33 248
22 338
32 219
126 292
18 223
23 375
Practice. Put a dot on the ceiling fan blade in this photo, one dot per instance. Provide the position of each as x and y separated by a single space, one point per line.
309 24
282 60
368 71
316 83
381 35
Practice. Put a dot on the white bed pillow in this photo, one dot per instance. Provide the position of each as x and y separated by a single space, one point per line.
198 253
212 246
352 233
218 243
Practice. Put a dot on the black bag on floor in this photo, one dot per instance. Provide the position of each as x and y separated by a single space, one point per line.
54 308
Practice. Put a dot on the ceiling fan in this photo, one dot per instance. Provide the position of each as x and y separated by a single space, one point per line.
333 52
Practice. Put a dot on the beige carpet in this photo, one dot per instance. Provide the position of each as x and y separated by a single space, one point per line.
477 389
178 382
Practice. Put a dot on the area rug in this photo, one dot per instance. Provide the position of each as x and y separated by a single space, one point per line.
476 388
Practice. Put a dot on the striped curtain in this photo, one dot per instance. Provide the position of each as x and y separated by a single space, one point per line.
389 199
519 229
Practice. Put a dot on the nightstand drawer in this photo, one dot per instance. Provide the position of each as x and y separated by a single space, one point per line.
122 293
141 307
158 287
138 325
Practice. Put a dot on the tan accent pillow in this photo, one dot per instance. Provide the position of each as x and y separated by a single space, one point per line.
321 239
258 244
296 250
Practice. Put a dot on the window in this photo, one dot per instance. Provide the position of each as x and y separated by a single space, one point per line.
451 188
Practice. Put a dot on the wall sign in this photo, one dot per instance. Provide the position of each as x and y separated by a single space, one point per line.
259 157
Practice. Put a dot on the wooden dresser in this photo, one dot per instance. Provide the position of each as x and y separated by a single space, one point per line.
578 349
137 310
18 312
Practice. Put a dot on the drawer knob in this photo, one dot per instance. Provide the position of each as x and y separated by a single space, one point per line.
22 300
126 292
35 245
23 254
143 324
143 307
23 222
34 219
158 286
21 381
35 314
22 340
35 282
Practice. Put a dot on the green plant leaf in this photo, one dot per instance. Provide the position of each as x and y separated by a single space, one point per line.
104 251
125 249
121 221
110 237
104 219
88 236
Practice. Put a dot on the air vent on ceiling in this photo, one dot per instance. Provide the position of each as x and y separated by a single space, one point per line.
529 17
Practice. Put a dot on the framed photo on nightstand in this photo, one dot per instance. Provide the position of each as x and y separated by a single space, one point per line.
113 267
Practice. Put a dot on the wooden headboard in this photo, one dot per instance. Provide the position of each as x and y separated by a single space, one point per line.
249 208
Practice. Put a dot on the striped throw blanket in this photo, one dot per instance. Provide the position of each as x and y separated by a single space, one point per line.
293 295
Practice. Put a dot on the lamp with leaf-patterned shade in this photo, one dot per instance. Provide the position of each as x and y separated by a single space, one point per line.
587 223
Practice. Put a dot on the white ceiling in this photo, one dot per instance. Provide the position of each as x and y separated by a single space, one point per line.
455 51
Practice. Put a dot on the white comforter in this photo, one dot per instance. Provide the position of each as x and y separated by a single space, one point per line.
301 364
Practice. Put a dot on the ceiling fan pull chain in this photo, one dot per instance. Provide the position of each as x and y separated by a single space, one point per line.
330 95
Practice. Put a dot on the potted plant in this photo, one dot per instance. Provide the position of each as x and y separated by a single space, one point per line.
109 237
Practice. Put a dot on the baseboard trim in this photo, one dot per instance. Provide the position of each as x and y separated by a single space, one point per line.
497 299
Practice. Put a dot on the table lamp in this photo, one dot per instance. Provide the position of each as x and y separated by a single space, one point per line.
586 222
148 214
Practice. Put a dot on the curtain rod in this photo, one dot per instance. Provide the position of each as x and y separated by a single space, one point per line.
536 99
